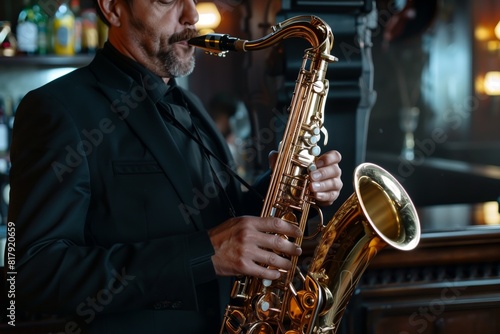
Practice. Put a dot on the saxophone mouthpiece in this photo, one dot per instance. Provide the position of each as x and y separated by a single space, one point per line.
217 44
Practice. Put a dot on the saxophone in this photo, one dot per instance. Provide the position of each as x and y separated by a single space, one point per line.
379 213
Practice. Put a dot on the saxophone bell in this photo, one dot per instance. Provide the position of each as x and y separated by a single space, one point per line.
378 214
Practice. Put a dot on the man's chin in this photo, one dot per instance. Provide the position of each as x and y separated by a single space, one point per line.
182 68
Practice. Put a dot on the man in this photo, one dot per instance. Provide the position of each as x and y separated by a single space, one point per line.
125 222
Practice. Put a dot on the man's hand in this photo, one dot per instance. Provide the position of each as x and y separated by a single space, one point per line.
242 243
325 181
251 246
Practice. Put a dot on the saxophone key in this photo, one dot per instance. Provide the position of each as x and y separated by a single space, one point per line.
267 306
315 151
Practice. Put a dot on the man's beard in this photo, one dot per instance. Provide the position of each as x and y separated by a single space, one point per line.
173 63
175 66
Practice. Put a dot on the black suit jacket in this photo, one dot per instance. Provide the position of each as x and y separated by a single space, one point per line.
110 228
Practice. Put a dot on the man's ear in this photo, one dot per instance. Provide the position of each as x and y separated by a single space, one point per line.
112 11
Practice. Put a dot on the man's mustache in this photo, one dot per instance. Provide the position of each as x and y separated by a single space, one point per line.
182 36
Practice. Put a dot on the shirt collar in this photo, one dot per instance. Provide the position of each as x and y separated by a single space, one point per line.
155 87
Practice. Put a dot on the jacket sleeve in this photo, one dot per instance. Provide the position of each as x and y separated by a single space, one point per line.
58 268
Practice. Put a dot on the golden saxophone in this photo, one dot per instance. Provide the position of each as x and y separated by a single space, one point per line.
377 214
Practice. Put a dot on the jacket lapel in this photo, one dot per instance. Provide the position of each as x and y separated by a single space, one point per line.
195 105
147 124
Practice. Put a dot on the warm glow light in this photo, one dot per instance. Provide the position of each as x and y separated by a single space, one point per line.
492 83
491 214
497 30
493 46
209 17
482 33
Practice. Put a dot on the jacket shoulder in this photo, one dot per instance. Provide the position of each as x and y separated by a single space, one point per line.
78 79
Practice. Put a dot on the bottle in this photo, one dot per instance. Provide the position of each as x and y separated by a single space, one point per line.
27 30
41 19
75 9
102 32
64 31
8 42
4 130
90 35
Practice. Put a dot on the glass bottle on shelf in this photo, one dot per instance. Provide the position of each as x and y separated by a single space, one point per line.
42 21
4 130
8 42
64 31
90 36
27 30
75 9
102 32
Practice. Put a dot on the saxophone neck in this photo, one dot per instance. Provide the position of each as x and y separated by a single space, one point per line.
311 28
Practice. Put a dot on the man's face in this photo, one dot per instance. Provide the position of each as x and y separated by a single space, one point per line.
155 33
